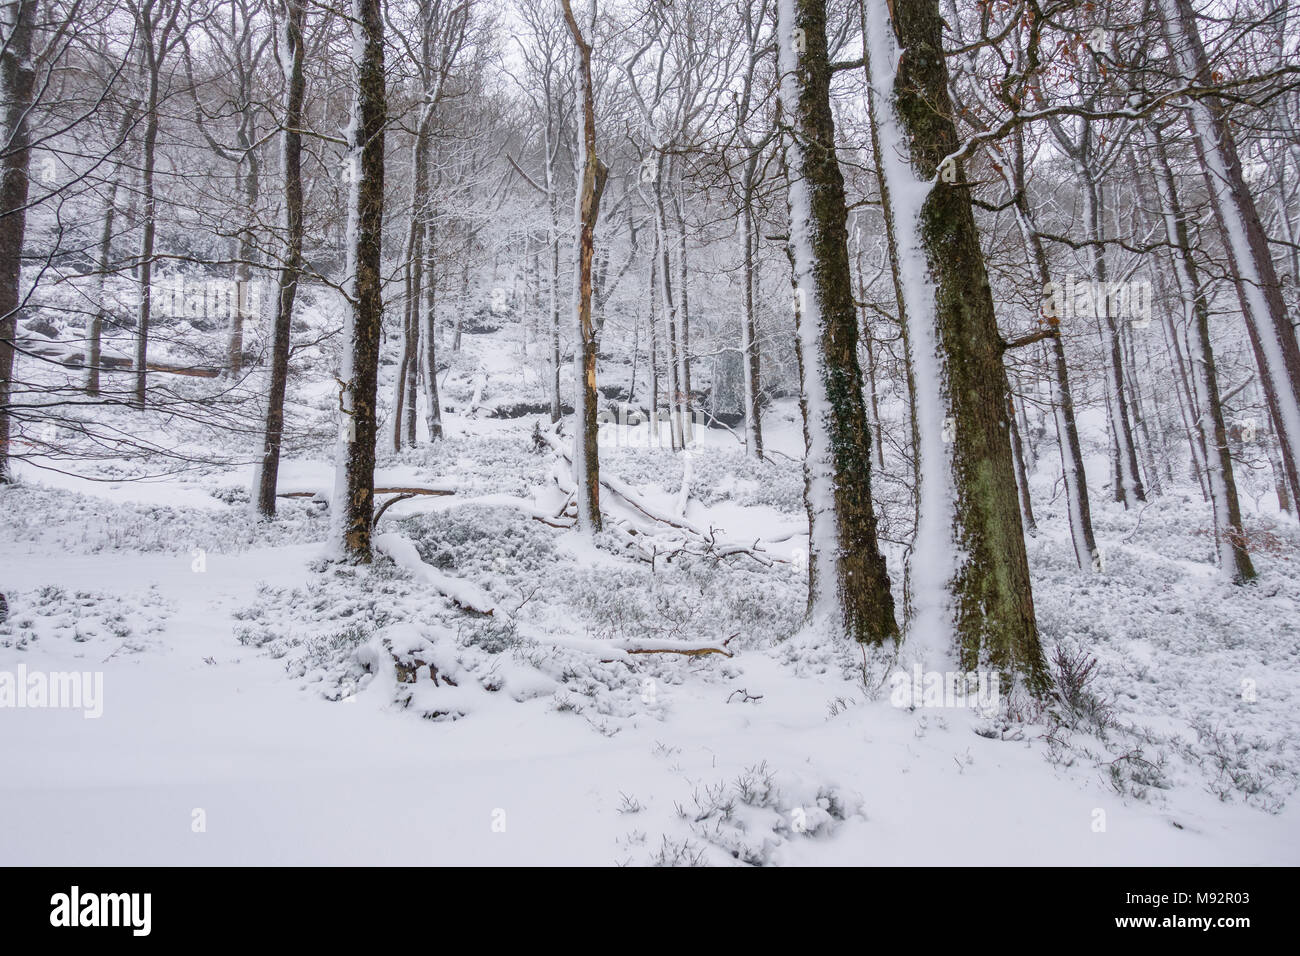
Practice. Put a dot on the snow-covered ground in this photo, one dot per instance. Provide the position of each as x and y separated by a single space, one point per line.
252 710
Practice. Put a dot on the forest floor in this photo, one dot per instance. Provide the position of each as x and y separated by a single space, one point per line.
252 712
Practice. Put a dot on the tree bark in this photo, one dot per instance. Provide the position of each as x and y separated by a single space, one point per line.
294 13
246 249
1230 540
675 383
688 426
1067 429
18 81
353 511
592 172
848 583
430 352
749 327
1250 261
1022 475
970 570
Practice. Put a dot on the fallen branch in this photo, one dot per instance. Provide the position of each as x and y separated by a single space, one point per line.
406 492
415 491
689 652
626 649
689 649
462 593
706 537
379 512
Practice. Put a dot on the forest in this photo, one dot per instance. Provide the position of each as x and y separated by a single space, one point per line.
650 432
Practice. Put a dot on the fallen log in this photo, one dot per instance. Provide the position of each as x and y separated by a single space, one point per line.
627 648
411 492
112 363
688 648
689 652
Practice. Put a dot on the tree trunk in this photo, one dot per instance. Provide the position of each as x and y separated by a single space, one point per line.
848 583
1250 261
749 325
412 344
18 82
291 146
145 273
430 352
95 338
405 390
1067 429
1022 476
654 343
684 356
353 508
970 573
1230 540
873 395
246 249
675 384
592 172
294 12
407 357
557 405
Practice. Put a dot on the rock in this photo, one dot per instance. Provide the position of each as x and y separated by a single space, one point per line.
40 325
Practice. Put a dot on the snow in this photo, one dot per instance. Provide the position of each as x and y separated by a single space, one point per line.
262 691
404 555
282 777
261 703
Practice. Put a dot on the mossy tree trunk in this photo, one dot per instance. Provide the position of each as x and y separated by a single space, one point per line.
848 583
969 536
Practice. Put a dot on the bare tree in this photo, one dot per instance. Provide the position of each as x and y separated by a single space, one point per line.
591 184
1233 558
17 90
1249 258
293 13
353 508
158 26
